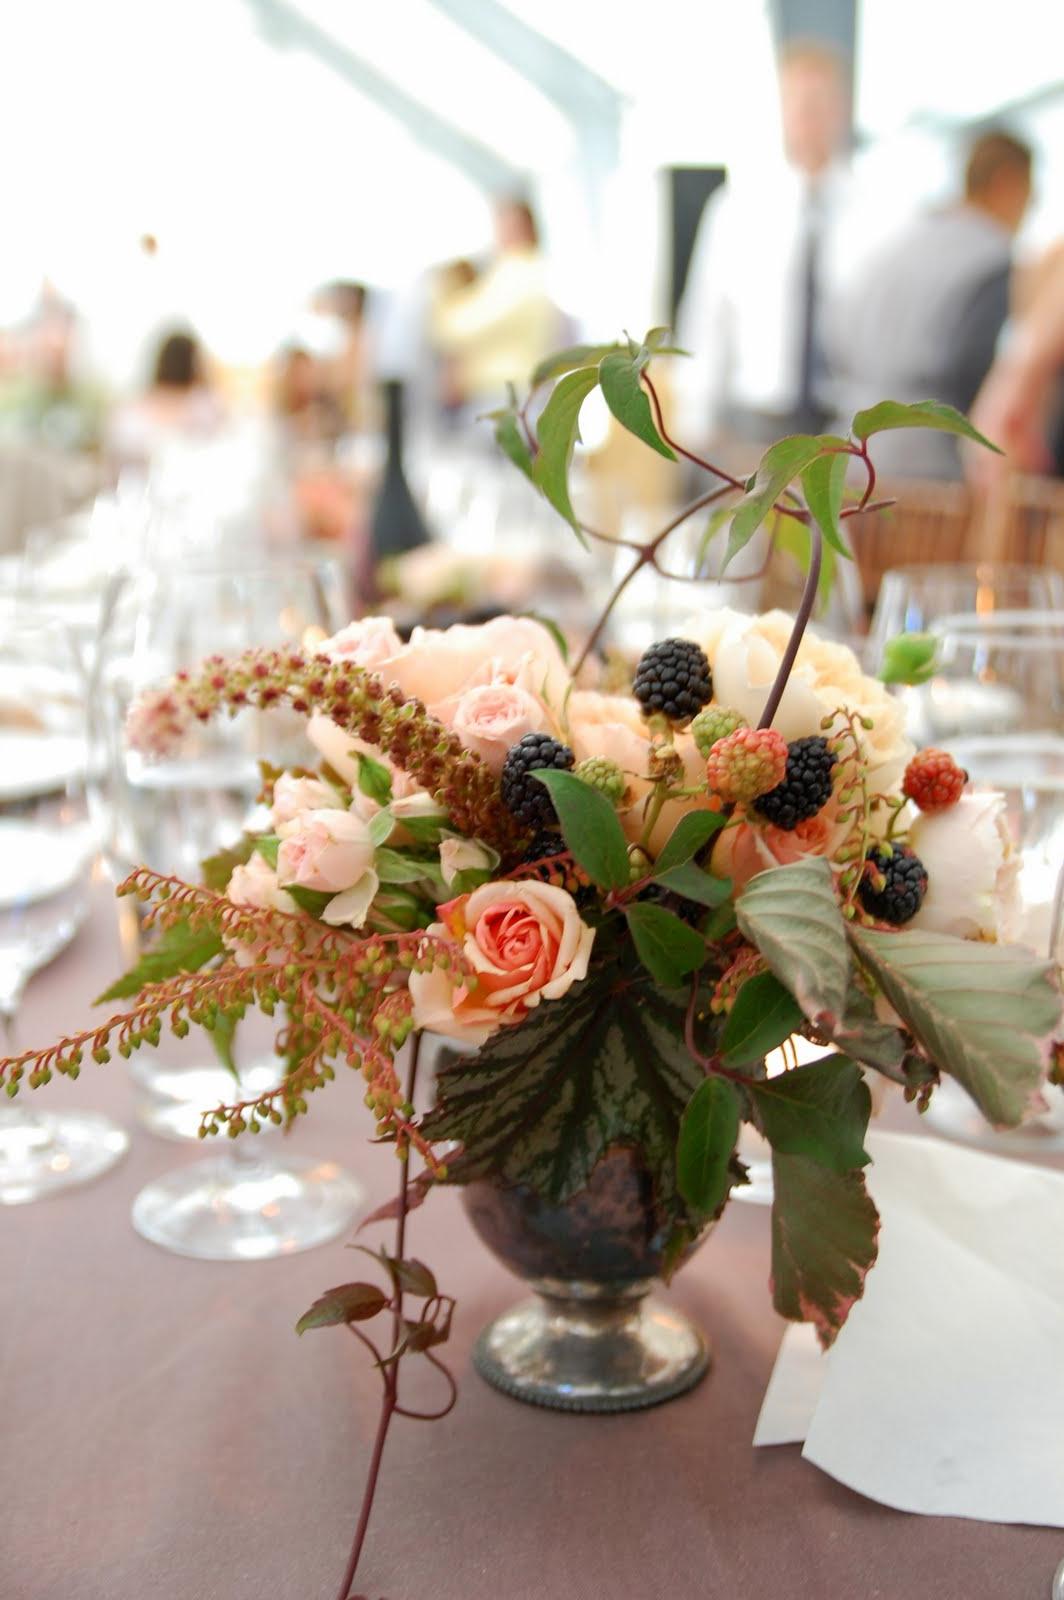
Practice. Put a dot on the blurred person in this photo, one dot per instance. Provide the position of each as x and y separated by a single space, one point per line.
178 406
1019 406
46 397
350 370
922 320
767 254
494 330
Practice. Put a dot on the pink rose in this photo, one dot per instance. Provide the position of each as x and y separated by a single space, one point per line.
326 850
746 849
524 942
293 795
368 643
439 663
492 717
254 884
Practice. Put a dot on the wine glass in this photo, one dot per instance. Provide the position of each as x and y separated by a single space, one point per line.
243 1204
912 599
47 848
996 675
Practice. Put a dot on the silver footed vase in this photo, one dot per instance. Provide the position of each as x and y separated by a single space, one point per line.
594 1336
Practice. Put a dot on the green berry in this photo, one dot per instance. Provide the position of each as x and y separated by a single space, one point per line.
713 724
600 773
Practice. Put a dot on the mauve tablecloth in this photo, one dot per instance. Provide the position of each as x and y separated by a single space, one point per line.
165 1434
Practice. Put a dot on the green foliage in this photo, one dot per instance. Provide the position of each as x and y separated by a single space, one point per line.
216 870
889 414
222 1031
349 1302
666 946
862 1036
183 947
691 833
824 1232
792 916
512 443
778 466
399 866
268 845
823 484
983 1012
792 538
374 779
409 1275
558 430
909 658
692 883
590 828
709 1131
627 399
763 1015
540 1103
568 360
820 1110
312 901
552 628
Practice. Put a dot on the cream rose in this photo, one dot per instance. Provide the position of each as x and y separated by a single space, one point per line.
440 663
255 884
465 855
524 942
745 652
972 869
368 643
292 795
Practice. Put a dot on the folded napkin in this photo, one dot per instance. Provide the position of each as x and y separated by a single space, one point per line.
944 1392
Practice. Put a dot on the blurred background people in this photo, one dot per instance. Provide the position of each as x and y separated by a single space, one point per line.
1021 404
178 407
922 320
493 330
766 256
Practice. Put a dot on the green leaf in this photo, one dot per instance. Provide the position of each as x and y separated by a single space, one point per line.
933 414
763 1015
590 828
350 1302
689 835
216 870
396 866
268 845
552 628
863 1037
424 830
791 915
223 1034
558 430
512 443
656 343
183 947
709 1131
718 518
540 1104
562 361
312 901
374 779
910 658
824 1232
778 466
820 1110
985 1013
381 827
719 923
415 1278
398 908
823 483
627 399
667 947
694 884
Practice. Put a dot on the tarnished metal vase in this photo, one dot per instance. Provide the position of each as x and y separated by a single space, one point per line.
593 1337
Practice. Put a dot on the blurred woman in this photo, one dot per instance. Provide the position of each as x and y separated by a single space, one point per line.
178 407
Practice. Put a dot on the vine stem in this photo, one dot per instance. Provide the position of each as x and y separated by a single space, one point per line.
801 622
390 1396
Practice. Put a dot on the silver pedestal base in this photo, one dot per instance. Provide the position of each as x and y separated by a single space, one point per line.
573 1348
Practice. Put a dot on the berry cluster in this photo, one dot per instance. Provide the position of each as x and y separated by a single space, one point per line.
747 763
933 780
806 787
673 678
713 724
526 799
894 883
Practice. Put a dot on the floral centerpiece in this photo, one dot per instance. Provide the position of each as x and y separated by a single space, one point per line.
615 905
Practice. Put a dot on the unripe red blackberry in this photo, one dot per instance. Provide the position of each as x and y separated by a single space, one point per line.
673 678
933 780
747 763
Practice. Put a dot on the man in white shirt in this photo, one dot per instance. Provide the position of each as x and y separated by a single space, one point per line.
766 256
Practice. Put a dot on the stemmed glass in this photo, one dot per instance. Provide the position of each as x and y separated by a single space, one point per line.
244 1203
47 848
913 599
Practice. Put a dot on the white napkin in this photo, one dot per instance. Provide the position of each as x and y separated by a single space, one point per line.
944 1393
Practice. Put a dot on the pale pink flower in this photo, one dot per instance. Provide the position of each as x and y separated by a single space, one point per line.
292 795
368 643
326 850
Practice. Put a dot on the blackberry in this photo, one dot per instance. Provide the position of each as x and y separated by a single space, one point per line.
673 677
524 796
904 887
544 844
806 787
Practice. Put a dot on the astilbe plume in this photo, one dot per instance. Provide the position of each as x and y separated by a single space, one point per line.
344 997
458 780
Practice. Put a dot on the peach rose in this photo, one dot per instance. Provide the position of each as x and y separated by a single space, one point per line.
524 942
491 717
744 850
439 663
293 795
326 850
368 643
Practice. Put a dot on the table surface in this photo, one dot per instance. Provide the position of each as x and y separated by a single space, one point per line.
165 1434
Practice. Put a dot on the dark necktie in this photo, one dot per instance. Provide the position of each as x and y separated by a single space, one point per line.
808 414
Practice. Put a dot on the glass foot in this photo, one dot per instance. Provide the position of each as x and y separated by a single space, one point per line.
953 1115
43 1153
575 1350
228 1208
